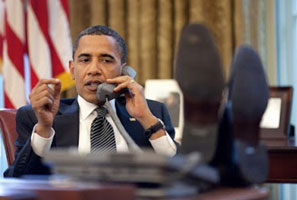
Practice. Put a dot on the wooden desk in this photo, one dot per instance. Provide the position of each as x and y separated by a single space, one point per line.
282 163
251 193
43 190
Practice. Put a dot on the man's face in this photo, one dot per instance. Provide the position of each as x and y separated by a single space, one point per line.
96 59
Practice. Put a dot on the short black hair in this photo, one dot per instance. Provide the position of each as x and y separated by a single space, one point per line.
103 30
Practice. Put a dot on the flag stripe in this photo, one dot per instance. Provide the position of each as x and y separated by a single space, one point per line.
1 19
15 49
39 8
1 28
65 7
13 54
15 17
38 49
33 77
14 86
7 101
59 34
1 48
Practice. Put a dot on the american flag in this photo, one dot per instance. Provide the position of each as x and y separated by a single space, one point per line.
36 44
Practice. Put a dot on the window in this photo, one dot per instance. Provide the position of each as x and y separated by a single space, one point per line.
286 30
286 22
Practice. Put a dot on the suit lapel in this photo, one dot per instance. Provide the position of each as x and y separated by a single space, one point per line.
66 125
133 127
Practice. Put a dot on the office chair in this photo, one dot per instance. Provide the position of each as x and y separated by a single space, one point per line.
8 132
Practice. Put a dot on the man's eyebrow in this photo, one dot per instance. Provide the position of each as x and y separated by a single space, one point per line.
107 55
83 55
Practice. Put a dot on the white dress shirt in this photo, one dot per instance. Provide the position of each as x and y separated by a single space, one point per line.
163 145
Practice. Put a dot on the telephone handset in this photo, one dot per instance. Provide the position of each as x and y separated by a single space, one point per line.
105 90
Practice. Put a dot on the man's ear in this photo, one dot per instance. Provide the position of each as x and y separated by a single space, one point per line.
122 66
71 69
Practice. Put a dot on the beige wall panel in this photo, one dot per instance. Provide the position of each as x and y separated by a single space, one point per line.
219 20
238 21
116 18
133 37
196 11
148 40
79 16
165 39
98 12
180 19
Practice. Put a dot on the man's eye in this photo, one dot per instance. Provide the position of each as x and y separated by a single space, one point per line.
84 60
107 60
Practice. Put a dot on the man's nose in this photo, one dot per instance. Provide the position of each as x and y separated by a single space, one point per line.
95 68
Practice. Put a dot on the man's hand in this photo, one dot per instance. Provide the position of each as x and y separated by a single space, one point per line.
45 101
135 103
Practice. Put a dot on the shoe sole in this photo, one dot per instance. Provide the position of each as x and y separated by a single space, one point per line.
200 76
249 96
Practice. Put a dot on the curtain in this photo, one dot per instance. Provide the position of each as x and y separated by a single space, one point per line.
151 28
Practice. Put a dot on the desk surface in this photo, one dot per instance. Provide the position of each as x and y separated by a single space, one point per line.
282 161
44 190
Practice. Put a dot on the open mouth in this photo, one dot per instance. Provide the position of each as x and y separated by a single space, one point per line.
92 85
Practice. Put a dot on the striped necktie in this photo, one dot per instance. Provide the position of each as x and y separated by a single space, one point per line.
102 135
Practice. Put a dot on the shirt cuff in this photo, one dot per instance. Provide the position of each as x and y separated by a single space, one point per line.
41 145
164 145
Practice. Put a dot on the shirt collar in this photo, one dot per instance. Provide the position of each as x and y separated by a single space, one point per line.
86 108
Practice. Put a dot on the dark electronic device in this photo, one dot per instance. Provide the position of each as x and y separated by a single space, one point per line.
105 93
105 90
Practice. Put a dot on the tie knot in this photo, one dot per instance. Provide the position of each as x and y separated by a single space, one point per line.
101 111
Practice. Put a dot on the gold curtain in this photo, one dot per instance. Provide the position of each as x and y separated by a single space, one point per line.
152 28
250 25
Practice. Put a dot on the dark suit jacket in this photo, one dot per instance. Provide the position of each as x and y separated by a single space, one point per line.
66 126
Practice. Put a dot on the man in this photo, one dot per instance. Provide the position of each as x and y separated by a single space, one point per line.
99 55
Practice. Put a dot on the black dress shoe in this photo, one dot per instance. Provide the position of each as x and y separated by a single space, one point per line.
240 157
199 73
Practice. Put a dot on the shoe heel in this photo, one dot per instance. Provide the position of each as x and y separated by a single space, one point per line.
200 138
252 162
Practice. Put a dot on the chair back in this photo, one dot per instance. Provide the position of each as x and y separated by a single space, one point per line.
8 132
